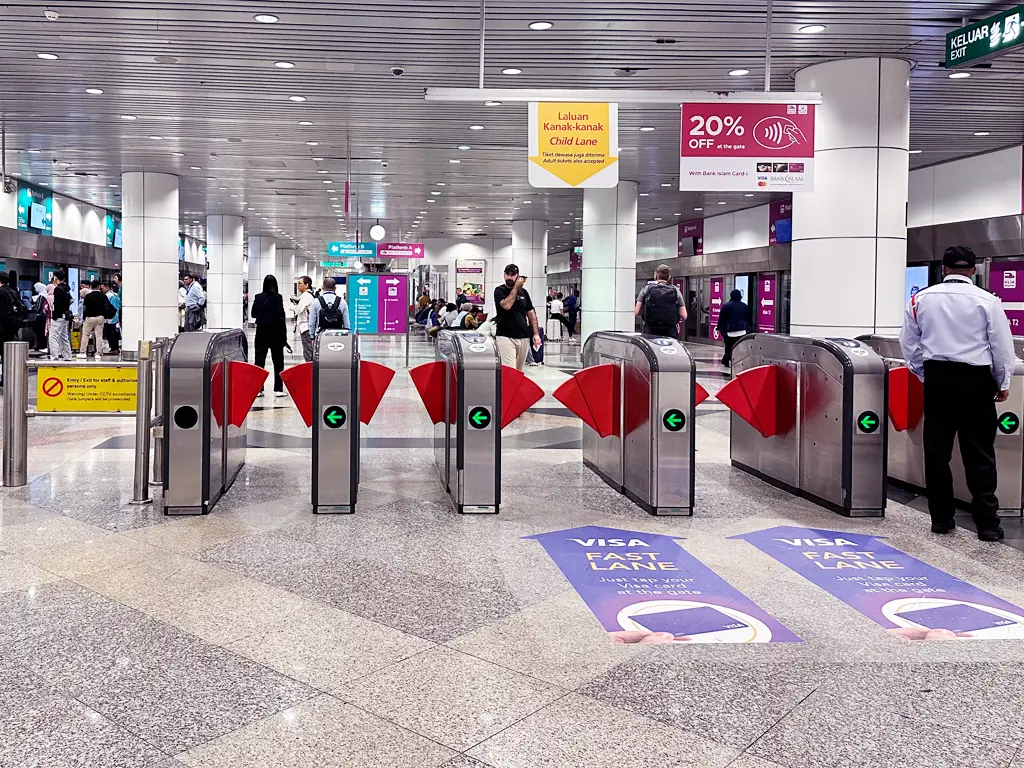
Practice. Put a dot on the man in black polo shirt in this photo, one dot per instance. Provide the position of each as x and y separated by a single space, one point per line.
515 320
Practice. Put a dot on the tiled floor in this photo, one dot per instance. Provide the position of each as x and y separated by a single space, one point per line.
408 636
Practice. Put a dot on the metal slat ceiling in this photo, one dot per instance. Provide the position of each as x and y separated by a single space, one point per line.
201 75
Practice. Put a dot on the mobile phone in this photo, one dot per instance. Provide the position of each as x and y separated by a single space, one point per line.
956 618
689 621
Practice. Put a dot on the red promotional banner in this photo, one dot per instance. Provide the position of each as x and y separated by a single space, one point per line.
739 147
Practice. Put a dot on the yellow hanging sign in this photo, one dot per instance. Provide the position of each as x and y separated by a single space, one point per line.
574 145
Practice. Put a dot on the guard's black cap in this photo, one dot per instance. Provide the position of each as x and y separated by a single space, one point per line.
511 269
959 257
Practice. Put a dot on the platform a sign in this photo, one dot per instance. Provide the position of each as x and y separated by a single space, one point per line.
574 145
731 147
645 588
911 599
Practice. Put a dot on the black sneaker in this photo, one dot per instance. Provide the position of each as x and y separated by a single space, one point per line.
994 534
943 527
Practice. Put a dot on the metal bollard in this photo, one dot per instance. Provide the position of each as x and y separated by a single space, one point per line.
143 407
159 360
15 432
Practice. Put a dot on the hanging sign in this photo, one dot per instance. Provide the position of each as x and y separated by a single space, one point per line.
400 251
574 145
691 238
899 592
356 250
728 147
379 303
984 39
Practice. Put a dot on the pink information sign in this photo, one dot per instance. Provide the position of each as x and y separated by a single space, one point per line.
766 283
1006 280
715 307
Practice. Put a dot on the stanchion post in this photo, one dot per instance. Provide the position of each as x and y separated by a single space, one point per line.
159 359
143 406
15 431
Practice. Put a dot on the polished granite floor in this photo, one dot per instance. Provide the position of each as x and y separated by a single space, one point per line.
409 636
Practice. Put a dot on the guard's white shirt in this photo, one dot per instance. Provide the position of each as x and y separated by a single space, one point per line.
959 322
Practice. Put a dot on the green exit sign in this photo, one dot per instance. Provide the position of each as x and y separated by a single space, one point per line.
334 264
984 39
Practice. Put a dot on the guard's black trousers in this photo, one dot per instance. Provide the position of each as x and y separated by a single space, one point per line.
958 404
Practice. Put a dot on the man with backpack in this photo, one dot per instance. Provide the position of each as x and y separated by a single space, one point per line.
328 312
12 312
661 306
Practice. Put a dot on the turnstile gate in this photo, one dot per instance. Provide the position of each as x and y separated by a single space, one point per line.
335 477
822 402
204 445
467 441
906 433
651 399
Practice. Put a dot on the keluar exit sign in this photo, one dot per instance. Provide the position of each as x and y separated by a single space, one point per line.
984 39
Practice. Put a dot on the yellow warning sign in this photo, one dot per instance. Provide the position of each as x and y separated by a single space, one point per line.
87 388
574 145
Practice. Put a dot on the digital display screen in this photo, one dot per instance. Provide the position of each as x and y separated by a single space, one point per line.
688 621
956 618
37 219
743 286
117 238
917 280
784 231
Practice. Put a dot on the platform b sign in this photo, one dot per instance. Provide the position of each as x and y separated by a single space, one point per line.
574 145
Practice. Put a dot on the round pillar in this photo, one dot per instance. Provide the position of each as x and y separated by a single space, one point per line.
530 254
262 262
149 265
225 239
850 234
608 286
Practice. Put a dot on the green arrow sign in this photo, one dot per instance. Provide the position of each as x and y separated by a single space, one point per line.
868 422
479 417
334 416
1008 423
674 420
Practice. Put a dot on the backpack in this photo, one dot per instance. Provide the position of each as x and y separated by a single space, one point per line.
108 309
330 316
13 310
661 306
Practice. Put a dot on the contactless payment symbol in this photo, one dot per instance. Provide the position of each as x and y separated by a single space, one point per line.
334 416
1008 423
479 417
868 422
673 420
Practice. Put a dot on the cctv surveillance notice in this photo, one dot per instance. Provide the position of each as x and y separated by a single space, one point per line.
574 145
729 147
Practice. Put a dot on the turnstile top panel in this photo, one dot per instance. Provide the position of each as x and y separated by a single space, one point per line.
336 350
665 355
196 349
853 354
471 350
889 348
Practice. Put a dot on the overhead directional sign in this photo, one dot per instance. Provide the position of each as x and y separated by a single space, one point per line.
401 251
334 416
1008 423
355 250
984 39
868 422
334 264
379 303
574 145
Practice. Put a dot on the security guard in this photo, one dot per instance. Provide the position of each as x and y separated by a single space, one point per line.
956 338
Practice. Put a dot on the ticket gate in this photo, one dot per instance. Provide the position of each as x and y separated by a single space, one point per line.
807 416
637 395
467 440
906 431
208 391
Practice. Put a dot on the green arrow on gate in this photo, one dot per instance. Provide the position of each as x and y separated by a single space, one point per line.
868 422
674 420
334 416
479 417
1008 423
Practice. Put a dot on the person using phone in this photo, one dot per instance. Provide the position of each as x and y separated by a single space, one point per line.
515 320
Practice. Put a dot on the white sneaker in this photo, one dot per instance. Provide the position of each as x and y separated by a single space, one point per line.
260 393
279 394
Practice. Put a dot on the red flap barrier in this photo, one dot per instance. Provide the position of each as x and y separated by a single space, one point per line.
374 380
518 393
700 395
217 392
906 399
299 382
244 382
593 395
754 396
429 381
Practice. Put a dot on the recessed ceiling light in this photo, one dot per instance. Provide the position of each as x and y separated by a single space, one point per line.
197 168
48 56
527 202
94 91
492 103
223 189
647 128
959 75
677 214
512 71
982 133
698 209
177 154
567 222
540 26
332 190
812 29
284 65
322 171
296 98
657 218
328 181
112 186
722 202
312 143
266 18
305 122
435 193
157 138
916 151
234 195
642 223
666 185
476 127
433 201
454 162
739 72
33 151
464 147
441 184
211 178
645 194
129 117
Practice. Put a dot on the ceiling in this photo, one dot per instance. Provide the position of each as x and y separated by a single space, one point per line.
201 75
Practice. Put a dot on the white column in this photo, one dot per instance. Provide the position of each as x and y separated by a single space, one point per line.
609 259
150 256
225 237
850 233
285 271
311 271
530 254
262 262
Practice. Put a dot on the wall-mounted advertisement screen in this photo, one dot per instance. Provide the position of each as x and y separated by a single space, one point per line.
917 280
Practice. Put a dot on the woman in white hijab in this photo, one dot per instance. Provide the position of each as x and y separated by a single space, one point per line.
39 324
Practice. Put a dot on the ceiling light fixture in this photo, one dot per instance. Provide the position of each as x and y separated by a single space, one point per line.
512 71
464 147
157 138
738 72
916 151
645 194
982 133
666 185
33 151
266 18
197 168
722 202
698 209
434 201
541 26
434 193
454 162
284 65
749 194
959 75
177 154
48 56
677 214
296 98
94 91
312 143
129 117
441 184
305 122
476 127
647 128
812 29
